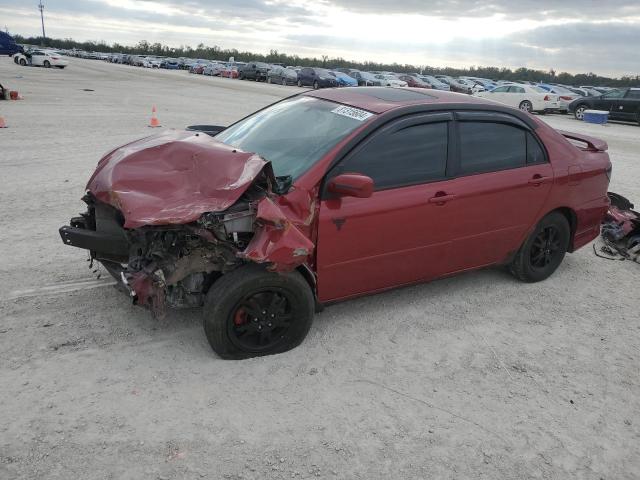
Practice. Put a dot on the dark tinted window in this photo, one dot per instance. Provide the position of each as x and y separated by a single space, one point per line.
412 155
633 94
486 147
535 154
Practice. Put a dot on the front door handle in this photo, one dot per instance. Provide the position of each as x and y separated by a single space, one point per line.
539 180
441 199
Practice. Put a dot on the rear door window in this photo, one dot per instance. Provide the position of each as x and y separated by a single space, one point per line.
633 95
488 146
411 155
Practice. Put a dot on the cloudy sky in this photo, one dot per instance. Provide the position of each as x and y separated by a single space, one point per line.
566 35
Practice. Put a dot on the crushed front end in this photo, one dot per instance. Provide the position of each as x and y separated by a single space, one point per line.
168 226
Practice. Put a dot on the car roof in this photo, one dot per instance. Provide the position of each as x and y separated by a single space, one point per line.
382 99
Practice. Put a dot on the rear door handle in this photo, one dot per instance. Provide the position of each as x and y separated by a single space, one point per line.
539 180
441 199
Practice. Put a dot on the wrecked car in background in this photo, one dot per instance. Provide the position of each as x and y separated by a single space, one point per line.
335 194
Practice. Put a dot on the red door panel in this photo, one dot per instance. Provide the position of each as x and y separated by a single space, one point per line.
392 238
493 212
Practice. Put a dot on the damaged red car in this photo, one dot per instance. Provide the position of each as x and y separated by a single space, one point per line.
335 194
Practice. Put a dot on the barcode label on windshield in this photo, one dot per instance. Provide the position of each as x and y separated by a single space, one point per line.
351 112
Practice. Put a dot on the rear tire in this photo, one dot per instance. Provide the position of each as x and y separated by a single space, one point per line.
526 106
299 83
284 82
315 85
251 312
579 111
543 252
268 79
46 64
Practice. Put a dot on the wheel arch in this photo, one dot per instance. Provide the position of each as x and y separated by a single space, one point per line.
311 280
572 218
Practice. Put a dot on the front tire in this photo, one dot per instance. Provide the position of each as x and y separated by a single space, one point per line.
299 83
543 252
284 82
315 85
526 106
23 62
252 312
579 112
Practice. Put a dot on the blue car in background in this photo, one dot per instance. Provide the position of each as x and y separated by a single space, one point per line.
344 80
8 45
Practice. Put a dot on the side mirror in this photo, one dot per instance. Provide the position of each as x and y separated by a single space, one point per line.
351 185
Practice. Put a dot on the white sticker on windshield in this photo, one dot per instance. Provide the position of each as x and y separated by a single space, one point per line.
351 112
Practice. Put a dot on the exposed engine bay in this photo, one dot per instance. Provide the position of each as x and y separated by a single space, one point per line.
171 237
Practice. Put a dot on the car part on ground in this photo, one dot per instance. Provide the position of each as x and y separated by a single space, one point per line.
620 230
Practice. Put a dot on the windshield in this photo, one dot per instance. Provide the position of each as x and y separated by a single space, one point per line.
294 134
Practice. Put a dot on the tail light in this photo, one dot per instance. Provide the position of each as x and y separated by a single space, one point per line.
546 98
565 98
55 58
609 168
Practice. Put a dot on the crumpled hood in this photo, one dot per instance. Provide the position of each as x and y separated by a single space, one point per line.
174 177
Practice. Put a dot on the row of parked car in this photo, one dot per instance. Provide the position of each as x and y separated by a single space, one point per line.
524 95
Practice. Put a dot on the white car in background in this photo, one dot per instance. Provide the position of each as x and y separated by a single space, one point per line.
388 80
40 58
151 62
525 97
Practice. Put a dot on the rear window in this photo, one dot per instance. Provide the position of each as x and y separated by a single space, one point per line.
487 147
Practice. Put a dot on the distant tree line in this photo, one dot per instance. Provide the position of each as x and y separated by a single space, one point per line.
216 53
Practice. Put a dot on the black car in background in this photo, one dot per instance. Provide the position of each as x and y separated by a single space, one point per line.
282 75
254 71
622 104
316 78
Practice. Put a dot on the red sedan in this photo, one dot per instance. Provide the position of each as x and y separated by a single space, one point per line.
335 194
414 82
230 72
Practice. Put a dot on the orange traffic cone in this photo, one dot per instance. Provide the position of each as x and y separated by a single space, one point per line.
154 120
3 124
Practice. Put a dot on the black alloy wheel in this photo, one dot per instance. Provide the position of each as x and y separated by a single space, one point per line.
545 247
543 251
260 320
251 312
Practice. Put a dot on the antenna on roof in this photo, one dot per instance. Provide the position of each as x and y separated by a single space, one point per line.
41 8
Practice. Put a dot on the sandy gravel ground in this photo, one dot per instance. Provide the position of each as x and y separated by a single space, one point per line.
476 376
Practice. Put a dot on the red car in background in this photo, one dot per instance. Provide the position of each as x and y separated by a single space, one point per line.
198 68
230 71
334 194
414 81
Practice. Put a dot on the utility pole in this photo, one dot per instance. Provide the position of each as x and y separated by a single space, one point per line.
41 8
